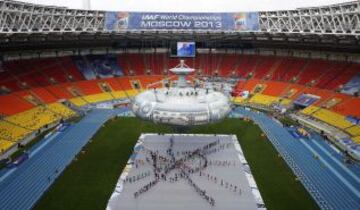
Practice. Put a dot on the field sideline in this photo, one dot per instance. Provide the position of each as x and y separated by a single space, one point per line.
89 181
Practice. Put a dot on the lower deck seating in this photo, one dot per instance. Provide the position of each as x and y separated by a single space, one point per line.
309 110
62 110
18 126
10 133
95 98
356 139
354 130
125 93
34 118
5 145
264 99
331 118
78 101
238 100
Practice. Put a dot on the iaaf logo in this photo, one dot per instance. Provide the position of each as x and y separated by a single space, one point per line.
159 17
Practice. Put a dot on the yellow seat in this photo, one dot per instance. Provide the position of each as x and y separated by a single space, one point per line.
238 100
285 101
332 118
264 99
356 139
5 145
95 98
16 127
354 130
125 94
78 101
309 110
12 132
101 97
64 111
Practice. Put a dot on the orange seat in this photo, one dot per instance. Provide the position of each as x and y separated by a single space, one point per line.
12 104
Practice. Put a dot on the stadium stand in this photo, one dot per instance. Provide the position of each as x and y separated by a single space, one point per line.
348 107
263 99
5 145
312 71
39 116
10 133
44 95
343 77
85 79
12 104
227 65
331 118
274 88
264 67
89 87
18 126
136 63
293 69
356 139
354 130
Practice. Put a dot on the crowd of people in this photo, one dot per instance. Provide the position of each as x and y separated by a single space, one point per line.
138 177
171 169
221 182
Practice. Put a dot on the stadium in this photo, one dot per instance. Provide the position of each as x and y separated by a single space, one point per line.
113 110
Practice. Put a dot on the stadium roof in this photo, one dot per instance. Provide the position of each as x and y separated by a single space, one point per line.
25 26
187 5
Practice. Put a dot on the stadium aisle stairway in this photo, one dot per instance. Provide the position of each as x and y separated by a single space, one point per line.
22 188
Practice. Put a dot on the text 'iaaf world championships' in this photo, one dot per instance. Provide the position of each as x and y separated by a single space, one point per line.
183 21
179 17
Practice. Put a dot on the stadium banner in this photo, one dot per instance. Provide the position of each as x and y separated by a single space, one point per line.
241 21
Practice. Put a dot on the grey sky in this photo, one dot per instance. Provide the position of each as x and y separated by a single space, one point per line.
189 5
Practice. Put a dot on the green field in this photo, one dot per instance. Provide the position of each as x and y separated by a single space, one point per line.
90 180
